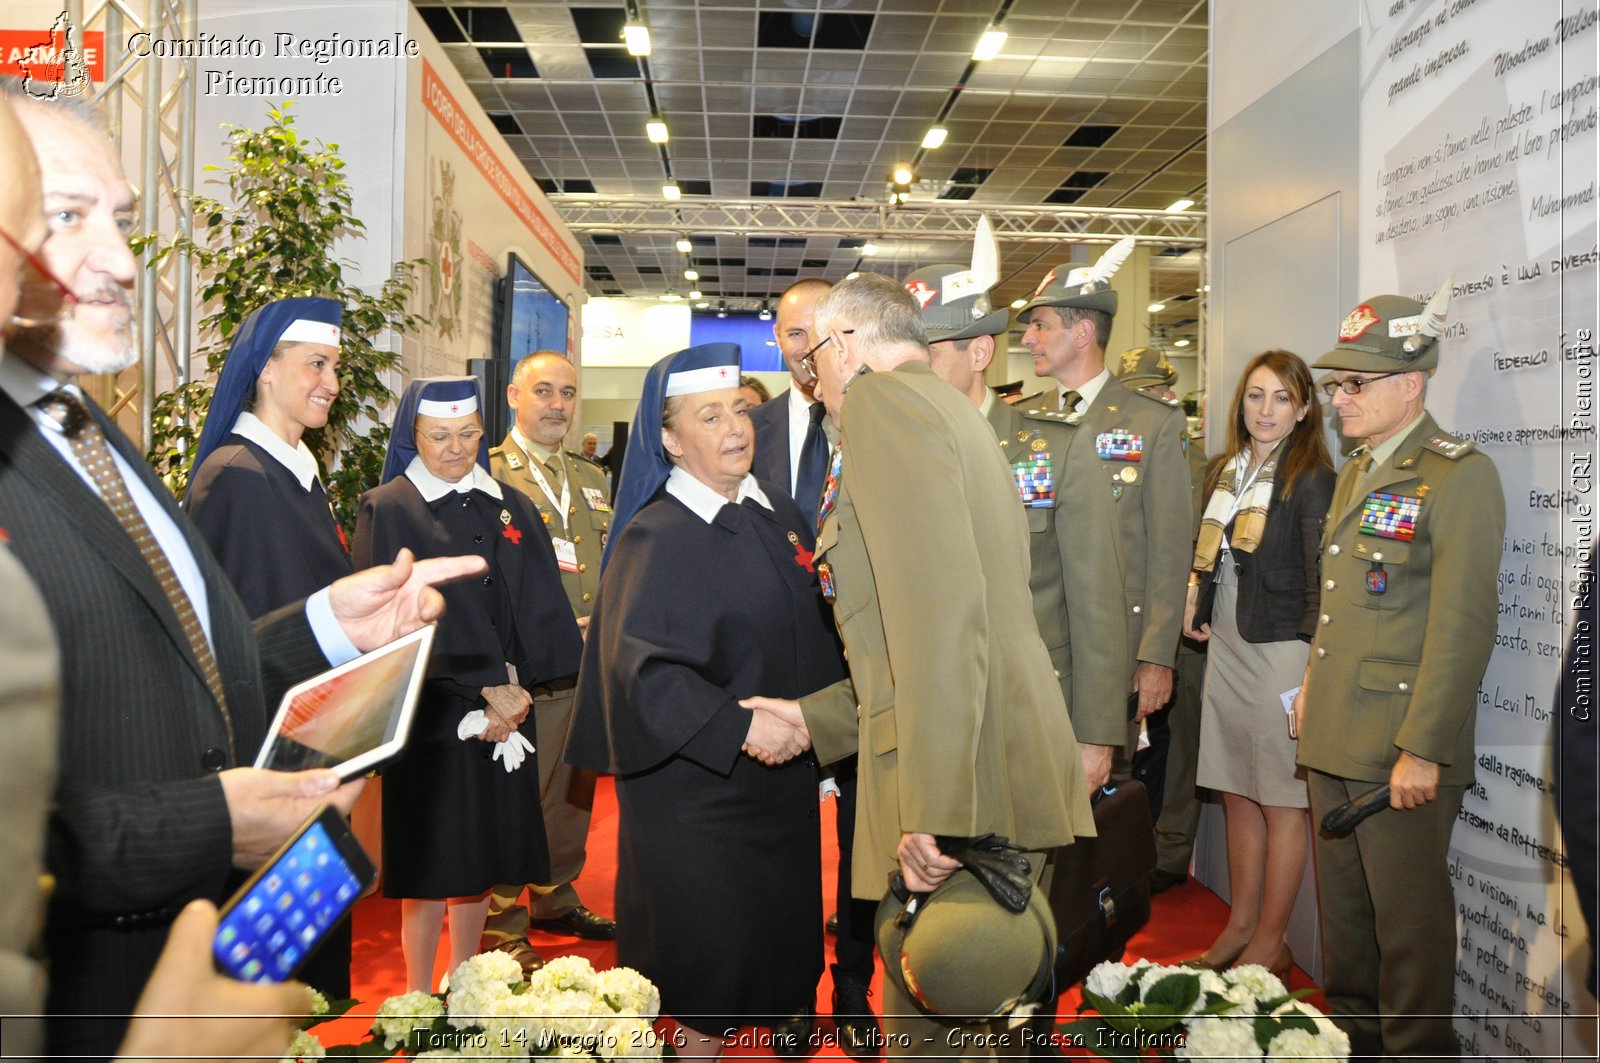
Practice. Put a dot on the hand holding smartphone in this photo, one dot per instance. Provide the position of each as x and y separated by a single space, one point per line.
278 918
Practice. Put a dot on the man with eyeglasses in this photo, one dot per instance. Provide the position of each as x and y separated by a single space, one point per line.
952 702
792 444
165 684
1410 556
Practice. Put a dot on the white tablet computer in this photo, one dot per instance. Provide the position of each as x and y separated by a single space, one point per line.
354 717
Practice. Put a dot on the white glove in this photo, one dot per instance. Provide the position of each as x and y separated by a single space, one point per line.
829 785
472 725
513 751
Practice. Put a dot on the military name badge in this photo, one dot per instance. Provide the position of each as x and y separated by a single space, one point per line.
1119 445
825 577
1034 482
596 499
512 461
1390 517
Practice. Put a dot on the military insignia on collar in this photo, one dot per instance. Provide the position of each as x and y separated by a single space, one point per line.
1357 322
512 461
922 293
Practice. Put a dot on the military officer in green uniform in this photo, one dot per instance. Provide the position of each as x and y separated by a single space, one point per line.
571 495
1175 730
1128 446
1077 604
1410 556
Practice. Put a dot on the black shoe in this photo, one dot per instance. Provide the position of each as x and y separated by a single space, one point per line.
832 925
859 1034
1161 881
580 922
791 1037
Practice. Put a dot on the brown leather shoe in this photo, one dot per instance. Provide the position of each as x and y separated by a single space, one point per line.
524 953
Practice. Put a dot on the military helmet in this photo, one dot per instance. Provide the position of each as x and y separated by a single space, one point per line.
953 306
963 957
1391 334
1084 287
1143 367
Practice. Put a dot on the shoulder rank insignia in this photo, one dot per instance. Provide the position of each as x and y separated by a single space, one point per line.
1449 446
512 461
1119 445
1390 516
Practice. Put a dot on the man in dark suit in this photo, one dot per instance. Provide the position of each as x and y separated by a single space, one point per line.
164 686
792 453
1131 445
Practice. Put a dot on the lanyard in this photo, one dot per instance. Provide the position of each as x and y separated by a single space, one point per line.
536 468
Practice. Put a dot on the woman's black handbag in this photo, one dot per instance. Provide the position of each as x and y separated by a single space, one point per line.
1100 892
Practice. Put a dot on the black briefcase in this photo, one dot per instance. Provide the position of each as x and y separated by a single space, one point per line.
1100 892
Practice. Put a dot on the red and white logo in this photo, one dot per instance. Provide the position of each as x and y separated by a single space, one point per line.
1048 277
1357 322
922 293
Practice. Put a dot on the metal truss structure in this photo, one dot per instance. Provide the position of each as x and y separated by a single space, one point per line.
151 101
781 217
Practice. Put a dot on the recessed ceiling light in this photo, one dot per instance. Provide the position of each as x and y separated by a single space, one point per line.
691 274
869 248
697 295
902 174
636 35
685 246
1018 304
670 297
1156 308
1181 343
656 130
934 138
671 191
989 44
700 306
1180 205
851 276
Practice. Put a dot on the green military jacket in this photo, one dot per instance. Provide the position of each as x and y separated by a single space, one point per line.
1076 579
1409 608
1151 496
951 701
588 515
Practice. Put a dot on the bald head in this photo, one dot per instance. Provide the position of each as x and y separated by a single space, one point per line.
791 327
21 216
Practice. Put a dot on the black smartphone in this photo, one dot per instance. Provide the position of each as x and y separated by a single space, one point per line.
277 919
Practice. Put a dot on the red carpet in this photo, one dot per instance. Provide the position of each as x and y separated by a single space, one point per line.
1183 922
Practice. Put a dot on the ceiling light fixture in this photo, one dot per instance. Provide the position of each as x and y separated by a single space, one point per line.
934 138
671 191
989 44
691 274
698 306
902 174
1156 308
1181 343
636 35
670 297
684 245
869 248
722 308
697 295
656 130
1180 205
1018 304
851 276
766 311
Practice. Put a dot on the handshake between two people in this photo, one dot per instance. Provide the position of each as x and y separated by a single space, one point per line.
777 730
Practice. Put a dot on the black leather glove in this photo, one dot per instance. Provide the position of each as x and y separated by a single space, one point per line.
996 863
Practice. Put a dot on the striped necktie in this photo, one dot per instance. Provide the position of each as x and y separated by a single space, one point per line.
89 447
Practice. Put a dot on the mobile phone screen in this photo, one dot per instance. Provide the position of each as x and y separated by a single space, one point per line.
286 909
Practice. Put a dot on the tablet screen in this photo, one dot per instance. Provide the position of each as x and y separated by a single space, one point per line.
353 716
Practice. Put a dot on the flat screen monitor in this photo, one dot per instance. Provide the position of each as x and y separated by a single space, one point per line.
532 317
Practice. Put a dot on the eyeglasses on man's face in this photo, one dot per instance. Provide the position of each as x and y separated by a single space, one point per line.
1352 385
808 361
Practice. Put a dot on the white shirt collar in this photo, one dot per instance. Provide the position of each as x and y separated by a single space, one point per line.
298 459
989 399
27 385
705 503
799 405
1089 391
431 488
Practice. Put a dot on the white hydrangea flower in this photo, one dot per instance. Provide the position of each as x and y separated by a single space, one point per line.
1153 973
1261 983
1335 1040
1300 1044
630 1037
1108 979
564 972
469 1003
631 992
398 1016
304 1046
319 1003
487 967
1220 1038
575 1015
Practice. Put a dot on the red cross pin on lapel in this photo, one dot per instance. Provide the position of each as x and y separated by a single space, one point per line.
804 557
514 534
